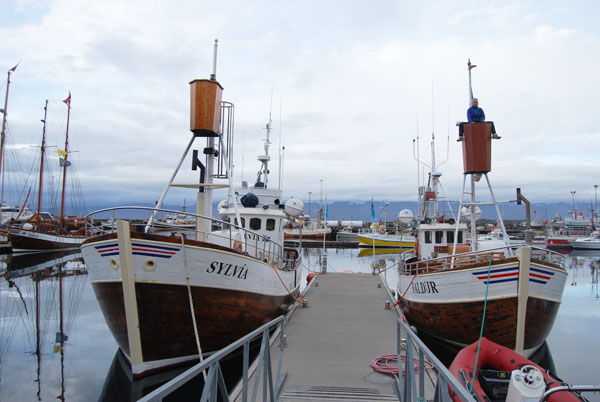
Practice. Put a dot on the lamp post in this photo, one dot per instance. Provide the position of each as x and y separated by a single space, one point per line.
309 193
573 195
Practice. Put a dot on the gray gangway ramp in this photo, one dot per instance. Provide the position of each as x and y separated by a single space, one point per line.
331 342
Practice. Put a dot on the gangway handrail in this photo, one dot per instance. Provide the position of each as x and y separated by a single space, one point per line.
214 384
406 383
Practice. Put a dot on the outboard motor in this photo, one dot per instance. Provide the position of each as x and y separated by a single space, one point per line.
526 384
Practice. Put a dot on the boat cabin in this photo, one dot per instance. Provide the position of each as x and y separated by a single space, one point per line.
438 239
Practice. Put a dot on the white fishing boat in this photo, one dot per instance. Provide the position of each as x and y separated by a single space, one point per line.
446 286
173 297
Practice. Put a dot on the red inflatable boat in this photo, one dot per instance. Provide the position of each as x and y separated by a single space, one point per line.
494 369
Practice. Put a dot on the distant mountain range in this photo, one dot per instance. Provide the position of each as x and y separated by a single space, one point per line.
361 211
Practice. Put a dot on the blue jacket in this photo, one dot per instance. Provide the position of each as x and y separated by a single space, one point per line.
475 114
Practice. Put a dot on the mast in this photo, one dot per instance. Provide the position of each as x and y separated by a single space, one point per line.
65 164
4 113
3 132
43 149
470 66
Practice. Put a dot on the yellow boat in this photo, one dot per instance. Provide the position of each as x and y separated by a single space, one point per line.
385 241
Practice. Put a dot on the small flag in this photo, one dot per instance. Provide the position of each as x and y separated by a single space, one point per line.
372 210
12 70
61 162
68 100
326 212
61 153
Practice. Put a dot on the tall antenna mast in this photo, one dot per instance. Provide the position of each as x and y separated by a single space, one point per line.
470 66
213 76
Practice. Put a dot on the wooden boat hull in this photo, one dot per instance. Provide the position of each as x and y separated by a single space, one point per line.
232 295
383 241
448 305
29 240
166 326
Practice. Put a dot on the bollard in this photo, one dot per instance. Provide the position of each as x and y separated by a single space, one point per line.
317 284
379 284
387 303
305 304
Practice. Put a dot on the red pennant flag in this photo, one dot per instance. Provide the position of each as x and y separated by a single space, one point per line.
12 70
68 100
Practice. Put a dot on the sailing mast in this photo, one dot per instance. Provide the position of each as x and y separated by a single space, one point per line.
43 150
3 132
65 163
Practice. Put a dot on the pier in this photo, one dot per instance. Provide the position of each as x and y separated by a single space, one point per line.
331 342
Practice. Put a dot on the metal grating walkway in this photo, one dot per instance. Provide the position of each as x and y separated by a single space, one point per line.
333 394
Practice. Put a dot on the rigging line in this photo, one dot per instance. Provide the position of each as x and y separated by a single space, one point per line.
487 286
192 310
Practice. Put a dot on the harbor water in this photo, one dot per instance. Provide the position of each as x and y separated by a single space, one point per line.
54 341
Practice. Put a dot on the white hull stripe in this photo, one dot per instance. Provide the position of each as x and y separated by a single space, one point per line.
511 274
138 249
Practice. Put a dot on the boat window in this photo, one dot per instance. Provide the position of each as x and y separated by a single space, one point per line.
460 237
243 220
439 237
450 236
270 224
428 237
255 224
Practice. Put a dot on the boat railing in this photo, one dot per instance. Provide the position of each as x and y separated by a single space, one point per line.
473 257
232 236
410 386
214 384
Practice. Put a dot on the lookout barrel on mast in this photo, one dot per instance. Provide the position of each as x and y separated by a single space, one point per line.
477 148
205 105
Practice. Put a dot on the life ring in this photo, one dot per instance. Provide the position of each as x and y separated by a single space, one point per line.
237 246
381 231
451 221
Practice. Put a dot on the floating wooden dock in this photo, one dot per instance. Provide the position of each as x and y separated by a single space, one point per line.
332 341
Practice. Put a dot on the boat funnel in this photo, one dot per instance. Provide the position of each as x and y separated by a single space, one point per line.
477 148
205 108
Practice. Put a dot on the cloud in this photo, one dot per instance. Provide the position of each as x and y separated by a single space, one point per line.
350 93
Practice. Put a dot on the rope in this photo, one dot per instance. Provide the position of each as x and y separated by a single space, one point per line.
189 289
487 286
381 364
402 297
383 270
286 288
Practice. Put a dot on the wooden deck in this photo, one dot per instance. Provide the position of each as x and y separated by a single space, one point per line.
331 342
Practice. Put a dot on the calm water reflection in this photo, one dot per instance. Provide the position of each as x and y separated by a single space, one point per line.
42 293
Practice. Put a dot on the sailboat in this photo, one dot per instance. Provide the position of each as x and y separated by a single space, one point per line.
43 232
446 287
169 297
8 213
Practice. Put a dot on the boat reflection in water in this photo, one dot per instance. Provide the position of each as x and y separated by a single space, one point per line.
42 293
121 386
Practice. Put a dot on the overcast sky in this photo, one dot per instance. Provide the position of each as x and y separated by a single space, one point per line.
352 84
